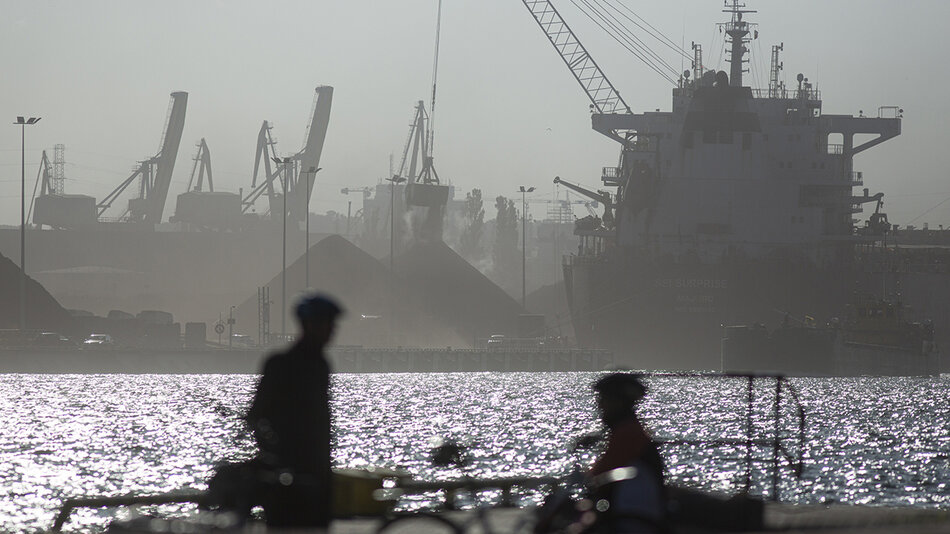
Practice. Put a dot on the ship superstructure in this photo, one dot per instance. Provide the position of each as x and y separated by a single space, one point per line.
738 201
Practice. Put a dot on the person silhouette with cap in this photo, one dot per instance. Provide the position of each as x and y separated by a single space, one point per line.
641 495
290 419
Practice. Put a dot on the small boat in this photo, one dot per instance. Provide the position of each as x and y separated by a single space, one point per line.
875 338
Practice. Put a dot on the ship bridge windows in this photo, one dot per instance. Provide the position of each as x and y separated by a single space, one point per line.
835 143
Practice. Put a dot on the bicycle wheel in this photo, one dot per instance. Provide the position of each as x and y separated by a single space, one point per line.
421 523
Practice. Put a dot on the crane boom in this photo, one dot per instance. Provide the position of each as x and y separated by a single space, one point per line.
201 167
309 157
603 95
165 158
601 196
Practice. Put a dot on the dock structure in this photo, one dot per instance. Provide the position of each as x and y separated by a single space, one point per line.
775 517
343 360
448 360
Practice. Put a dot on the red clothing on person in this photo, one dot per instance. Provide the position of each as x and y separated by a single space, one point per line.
627 443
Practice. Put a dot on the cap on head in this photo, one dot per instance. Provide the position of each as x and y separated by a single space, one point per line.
317 307
624 387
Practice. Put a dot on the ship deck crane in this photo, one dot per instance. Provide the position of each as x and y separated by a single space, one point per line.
155 173
604 97
601 196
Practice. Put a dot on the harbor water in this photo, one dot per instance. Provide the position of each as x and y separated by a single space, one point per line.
877 441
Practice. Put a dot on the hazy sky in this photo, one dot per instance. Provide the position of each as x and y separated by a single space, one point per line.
508 110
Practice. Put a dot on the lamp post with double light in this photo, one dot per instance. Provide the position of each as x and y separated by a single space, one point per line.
524 243
286 162
393 182
312 171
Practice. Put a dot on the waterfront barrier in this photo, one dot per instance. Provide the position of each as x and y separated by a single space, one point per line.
449 360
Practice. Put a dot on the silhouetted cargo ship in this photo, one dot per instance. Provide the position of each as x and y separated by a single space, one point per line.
734 207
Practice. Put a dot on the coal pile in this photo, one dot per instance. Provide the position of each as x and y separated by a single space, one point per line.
42 310
450 288
362 284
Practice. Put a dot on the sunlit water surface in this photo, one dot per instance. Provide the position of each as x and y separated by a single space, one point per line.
868 440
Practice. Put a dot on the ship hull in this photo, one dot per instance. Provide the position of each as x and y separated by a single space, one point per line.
655 316
798 351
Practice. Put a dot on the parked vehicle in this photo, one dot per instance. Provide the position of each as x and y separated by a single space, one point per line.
98 341
52 339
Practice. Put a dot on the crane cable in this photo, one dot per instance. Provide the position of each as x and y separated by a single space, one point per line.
593 15
631 36
623 39
653 32
435 75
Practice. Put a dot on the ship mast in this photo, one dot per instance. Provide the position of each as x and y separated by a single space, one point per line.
738 32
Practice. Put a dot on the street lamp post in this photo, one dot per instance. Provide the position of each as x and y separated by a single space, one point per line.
23 122
393 182
524 243
230 326
283 255
312 171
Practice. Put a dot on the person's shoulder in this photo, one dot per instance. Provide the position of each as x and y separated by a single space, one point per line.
629 427
276 361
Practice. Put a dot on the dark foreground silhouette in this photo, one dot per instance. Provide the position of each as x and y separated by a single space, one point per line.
290 419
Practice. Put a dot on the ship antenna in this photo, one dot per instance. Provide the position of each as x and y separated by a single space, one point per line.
738 31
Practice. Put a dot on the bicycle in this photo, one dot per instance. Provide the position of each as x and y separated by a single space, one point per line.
576 503
449 455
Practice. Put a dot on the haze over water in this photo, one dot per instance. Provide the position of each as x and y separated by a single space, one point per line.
879 441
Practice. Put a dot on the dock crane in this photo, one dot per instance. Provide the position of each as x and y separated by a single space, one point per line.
296 167
202 165
265 152
604 197
423 188
155 173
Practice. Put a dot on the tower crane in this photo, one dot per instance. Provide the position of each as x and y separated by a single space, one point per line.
365 191
155 173
560 207
604 197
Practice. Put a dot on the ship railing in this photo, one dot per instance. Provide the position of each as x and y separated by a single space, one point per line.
812 95
835 149
890 112
857 178
772 440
